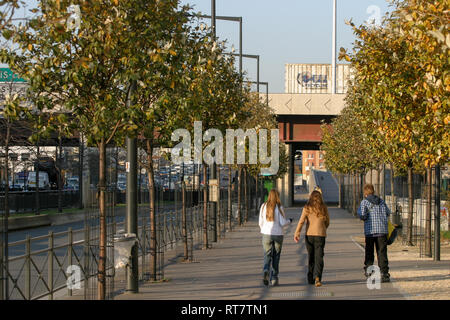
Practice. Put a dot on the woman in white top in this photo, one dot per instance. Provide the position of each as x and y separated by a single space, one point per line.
271 221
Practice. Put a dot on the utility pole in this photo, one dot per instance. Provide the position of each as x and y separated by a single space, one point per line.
333 54
131 218
213 168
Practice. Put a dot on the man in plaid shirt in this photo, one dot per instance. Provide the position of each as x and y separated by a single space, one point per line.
374 212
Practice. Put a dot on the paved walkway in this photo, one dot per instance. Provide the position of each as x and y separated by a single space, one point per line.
233 268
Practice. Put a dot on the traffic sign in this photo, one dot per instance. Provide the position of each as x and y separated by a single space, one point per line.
6 75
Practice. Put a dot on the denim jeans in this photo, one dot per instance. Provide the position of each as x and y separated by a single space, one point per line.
315 246
272 250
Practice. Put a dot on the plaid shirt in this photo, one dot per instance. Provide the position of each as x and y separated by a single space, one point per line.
375 217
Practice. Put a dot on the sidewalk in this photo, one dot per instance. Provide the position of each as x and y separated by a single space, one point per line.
233 268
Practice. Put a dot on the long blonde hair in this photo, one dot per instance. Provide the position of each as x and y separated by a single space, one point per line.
272 201
316 205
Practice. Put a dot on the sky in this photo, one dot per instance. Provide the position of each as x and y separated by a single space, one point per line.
285 31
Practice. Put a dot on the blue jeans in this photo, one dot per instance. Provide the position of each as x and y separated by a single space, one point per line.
272 250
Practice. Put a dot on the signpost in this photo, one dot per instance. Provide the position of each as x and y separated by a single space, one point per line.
11 84
213 190
6 75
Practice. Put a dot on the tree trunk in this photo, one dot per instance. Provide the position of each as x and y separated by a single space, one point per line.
410 207
218 219
230 205
80 172
246 200
102 204
205 209
394 201
256 193
38 205
151 193
378 181
355 194
183 221
239 196
5 253
429 192
59 177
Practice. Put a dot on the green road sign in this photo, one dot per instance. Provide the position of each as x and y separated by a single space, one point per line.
6 75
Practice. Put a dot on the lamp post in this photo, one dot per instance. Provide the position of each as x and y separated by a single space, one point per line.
236 19
333 54
264 84
252 56
131 194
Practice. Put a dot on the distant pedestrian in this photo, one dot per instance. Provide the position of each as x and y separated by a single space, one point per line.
315 214
272 219
374 212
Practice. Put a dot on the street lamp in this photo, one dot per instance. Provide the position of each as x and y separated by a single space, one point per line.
264 84
252 56
333 54
227 18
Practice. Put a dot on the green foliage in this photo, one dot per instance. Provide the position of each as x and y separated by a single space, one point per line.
401 84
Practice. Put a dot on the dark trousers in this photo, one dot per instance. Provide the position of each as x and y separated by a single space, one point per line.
380 243
315 246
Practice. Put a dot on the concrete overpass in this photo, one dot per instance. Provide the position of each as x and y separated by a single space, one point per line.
300 116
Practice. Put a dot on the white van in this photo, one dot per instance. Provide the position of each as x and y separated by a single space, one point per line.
44 183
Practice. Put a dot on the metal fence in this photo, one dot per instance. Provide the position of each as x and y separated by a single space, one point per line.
22 202
394 190
39 267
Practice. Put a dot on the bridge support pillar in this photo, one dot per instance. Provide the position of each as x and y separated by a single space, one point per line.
285 185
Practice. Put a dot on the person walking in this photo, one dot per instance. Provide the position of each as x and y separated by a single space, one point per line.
374 212
272 219
315 214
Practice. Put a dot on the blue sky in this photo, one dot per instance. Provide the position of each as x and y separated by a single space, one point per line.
287 31
284 31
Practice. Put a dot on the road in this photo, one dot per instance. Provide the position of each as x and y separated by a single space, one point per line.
38 266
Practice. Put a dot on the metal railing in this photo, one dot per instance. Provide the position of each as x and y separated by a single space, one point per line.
394 191
38 267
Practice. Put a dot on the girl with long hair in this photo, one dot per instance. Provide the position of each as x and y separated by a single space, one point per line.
272 219
315 214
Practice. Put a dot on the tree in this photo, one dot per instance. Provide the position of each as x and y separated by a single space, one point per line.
161 57
7 10
400 86
81 71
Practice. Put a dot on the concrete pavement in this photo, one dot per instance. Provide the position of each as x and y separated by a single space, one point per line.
233 268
